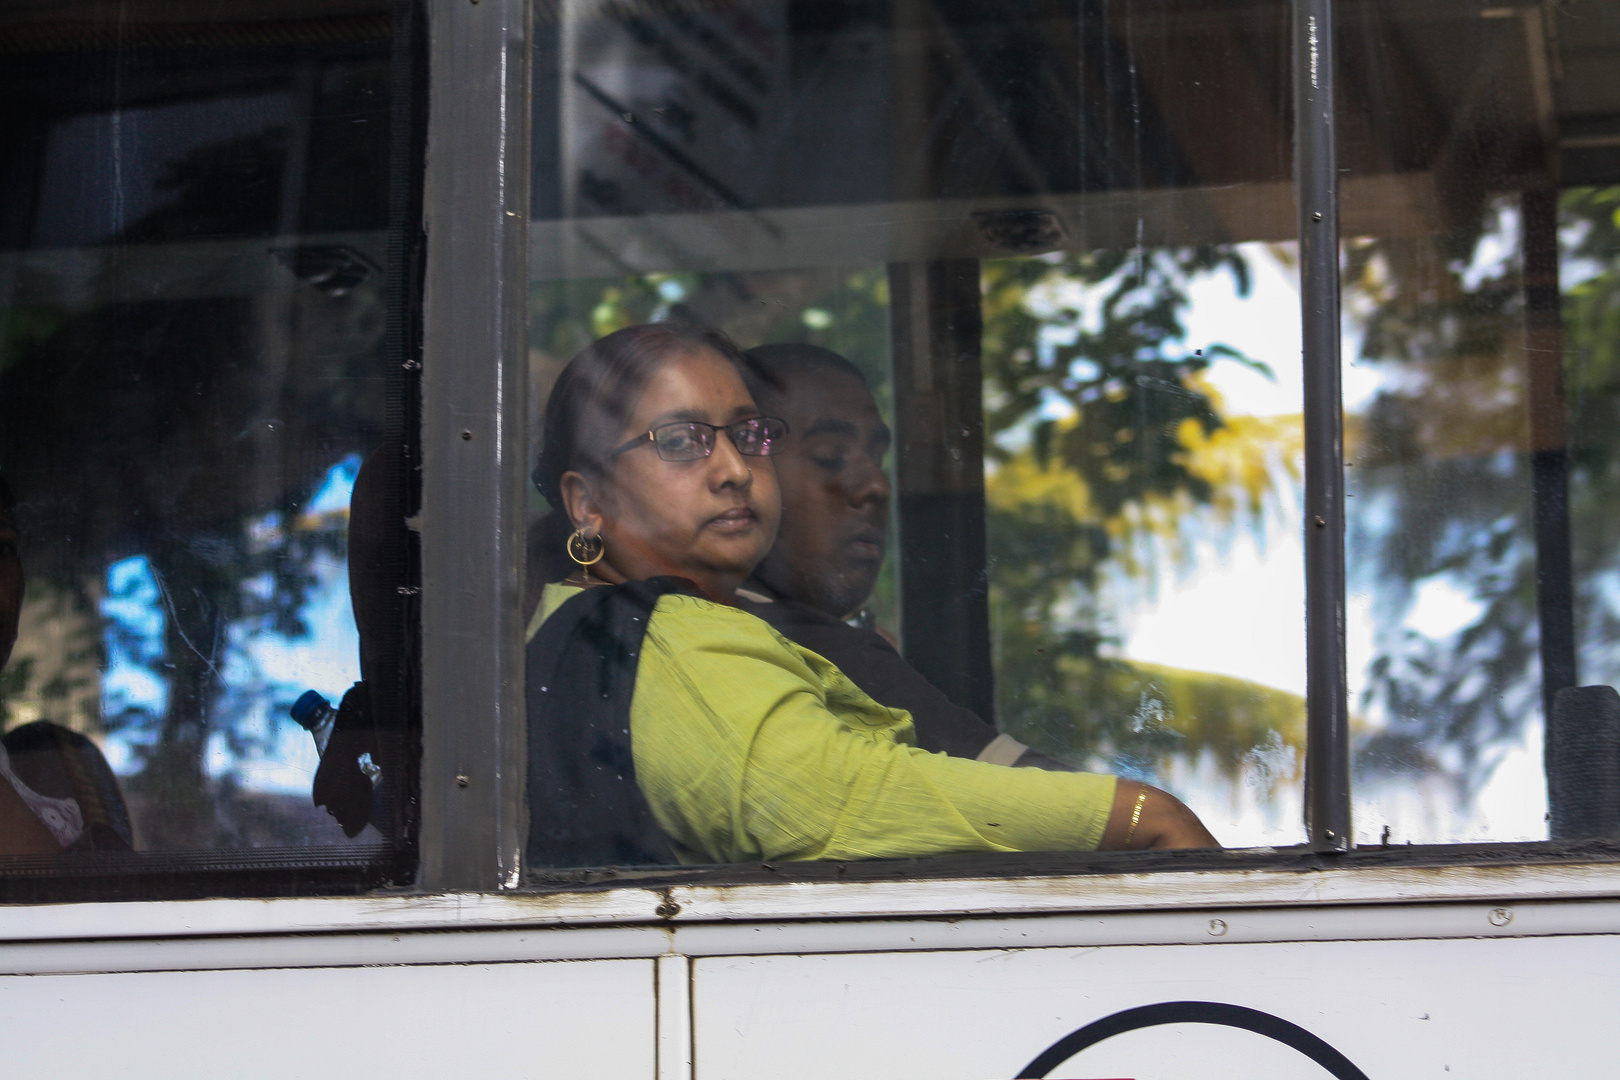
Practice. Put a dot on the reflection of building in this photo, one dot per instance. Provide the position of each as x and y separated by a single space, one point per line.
661 108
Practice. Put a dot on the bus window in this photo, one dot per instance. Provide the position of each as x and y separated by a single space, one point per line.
203 441
1020 282
1479 254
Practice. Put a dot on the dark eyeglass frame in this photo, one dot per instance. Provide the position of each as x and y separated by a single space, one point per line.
733 431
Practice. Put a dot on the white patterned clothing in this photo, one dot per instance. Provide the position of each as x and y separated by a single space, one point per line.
61 816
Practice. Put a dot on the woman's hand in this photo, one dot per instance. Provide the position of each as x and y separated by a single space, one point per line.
21 833
1165 821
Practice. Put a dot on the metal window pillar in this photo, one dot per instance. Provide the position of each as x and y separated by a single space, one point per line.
1549 444
474 382
1327 755
937 324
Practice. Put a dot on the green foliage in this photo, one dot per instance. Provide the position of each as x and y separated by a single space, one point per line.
1132 718
1591 315
24 327
1125 380
1104 441
54 672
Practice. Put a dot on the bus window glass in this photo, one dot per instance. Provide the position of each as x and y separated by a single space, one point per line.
1021 282
202 434
1478 149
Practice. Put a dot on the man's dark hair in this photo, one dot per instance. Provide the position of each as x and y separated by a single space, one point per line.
770 370
6 499
595 392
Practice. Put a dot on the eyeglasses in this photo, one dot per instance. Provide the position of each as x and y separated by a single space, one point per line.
690 440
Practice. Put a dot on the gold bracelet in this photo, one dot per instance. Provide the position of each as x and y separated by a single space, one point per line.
1136 816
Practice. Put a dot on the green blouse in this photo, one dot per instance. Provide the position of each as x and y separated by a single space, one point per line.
750 748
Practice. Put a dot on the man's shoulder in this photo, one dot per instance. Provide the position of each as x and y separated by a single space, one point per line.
792 619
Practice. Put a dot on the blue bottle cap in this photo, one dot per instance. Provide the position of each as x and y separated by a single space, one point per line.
304 709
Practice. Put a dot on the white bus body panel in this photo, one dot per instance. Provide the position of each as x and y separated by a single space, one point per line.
1482 972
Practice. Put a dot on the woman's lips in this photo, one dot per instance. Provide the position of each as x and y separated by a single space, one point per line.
737 519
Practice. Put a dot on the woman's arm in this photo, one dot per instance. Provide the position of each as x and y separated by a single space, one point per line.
1164 821
748 749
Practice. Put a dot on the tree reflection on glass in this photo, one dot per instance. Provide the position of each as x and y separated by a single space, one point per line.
1441 520
169 439
1110 451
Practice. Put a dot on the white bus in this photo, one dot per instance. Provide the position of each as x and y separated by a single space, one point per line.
1252 370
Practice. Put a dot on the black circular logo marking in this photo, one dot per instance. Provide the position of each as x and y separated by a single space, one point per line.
1193 1012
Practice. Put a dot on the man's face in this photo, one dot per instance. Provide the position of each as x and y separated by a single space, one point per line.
11 585
835 494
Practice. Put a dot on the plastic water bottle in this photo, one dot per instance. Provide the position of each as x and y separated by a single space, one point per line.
316 716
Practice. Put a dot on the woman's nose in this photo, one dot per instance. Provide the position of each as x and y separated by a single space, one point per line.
726 464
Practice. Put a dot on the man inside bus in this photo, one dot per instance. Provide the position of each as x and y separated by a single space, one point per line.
56 790
814 583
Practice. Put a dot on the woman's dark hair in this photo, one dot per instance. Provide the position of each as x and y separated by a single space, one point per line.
593 396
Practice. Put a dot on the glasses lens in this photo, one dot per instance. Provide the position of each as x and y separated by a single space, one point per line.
759 437
683 442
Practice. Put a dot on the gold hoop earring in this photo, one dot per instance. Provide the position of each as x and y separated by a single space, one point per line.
580 548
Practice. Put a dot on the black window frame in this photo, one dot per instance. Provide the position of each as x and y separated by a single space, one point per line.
483 480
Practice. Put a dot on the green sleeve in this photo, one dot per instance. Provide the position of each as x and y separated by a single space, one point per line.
751 749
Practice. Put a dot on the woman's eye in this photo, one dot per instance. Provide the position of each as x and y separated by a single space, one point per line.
831 464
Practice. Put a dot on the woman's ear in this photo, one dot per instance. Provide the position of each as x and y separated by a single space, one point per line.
580 503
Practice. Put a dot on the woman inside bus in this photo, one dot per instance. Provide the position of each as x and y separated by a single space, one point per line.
665 721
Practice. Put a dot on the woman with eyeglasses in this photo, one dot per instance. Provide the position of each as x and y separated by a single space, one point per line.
667 724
